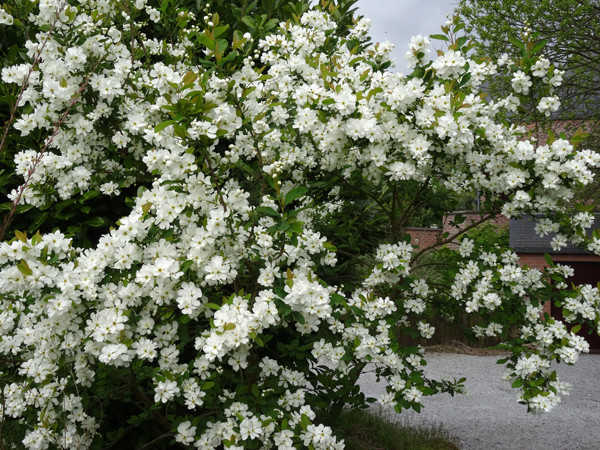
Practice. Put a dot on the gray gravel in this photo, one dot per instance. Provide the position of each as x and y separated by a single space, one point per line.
489 417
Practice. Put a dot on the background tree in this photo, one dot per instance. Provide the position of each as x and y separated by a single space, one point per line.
570 30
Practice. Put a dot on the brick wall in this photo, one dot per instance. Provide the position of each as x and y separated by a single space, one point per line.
535 260
423 237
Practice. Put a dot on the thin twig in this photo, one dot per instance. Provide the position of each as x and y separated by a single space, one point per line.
34 165
25 84
451 238
153 441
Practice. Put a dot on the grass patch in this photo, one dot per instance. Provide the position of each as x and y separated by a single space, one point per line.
459 347
375 430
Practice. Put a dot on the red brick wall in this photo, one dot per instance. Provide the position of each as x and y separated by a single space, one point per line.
535 260
423 237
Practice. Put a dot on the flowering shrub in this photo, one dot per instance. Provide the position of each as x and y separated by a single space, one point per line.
211 313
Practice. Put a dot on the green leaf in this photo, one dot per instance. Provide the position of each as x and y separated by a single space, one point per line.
161 126
580 207
220 30
538 47
95 222
271 24
329 246
337 299
294 194
439 37
517 383
579 136
304 421
185 266
24 268
90 194
206 41
249 21
295 228
258 341
38 221
21 236
36 238
267 211
255 391
465 79
298 317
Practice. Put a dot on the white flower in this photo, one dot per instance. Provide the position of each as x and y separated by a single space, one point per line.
548 105
418 45
154 14
110 188
145 348
5 18
412 394
165 391
250 428
115 354
426 330
558 242
540 68
185 433
450 64
521 82
466 247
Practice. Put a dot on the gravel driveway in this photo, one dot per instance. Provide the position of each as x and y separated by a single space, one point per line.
489 417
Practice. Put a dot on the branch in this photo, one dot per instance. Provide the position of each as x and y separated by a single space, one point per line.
34 165
413 204
162 420
451 238
36 61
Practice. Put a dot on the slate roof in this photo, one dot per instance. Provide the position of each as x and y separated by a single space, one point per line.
523 239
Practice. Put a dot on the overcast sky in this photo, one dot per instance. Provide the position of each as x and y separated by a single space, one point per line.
398 20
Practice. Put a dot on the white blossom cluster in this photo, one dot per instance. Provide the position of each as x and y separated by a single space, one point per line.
485 285
161 273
